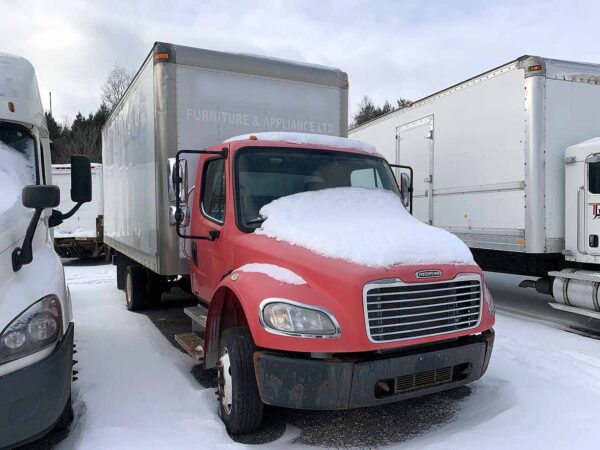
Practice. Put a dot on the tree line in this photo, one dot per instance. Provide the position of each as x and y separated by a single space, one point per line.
367 110
83 135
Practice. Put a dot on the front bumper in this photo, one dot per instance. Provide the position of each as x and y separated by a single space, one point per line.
302 383
33 398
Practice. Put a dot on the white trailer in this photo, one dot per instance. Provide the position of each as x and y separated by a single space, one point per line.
189 98
489 158
82 235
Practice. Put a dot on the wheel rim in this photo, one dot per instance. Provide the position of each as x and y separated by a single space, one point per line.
128 289
225 381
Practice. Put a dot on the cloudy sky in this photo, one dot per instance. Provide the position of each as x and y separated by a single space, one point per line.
390 49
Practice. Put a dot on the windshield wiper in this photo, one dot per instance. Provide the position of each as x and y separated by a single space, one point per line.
256 221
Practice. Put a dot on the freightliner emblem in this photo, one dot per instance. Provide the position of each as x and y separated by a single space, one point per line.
428 274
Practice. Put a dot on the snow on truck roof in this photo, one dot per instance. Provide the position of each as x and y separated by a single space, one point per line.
309 139
369 227
18 84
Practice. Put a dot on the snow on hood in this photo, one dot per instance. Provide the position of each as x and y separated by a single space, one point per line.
363 226
15 173
276 272
310 139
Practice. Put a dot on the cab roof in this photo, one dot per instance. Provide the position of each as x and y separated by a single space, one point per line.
303 139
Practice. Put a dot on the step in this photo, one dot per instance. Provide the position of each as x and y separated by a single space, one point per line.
192 344
198 315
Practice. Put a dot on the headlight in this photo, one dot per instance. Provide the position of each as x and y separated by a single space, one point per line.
296 319
490 301
35 329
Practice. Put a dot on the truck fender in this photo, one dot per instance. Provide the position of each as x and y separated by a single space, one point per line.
226 309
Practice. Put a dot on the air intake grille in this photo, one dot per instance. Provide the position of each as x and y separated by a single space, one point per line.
396 311
423 379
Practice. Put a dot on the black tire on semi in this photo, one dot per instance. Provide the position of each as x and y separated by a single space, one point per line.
245 412
155 286
135 287
121 272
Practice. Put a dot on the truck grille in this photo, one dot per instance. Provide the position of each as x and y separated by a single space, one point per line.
422 379
395 310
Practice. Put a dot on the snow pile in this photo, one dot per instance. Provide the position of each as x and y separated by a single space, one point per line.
15 173
310 139
364 226
276 272
78 232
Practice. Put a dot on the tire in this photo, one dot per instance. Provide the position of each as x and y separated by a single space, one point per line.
66 417
154 288
135 288
121 274
242 409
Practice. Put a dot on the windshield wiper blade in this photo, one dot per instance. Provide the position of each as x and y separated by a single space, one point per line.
256 221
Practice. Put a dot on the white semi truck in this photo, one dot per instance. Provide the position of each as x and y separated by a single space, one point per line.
36 320
82 236
504 160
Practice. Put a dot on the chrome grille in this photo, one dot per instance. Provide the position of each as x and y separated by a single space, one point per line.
395 310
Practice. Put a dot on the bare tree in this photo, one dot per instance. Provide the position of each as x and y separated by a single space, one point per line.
115 86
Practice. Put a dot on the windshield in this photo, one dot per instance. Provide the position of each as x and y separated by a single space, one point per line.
17 169
264 175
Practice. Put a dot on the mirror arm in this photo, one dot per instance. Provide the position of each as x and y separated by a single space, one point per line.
57 217
24 255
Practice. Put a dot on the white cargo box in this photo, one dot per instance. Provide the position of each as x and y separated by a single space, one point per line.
83 223
489 153
187 98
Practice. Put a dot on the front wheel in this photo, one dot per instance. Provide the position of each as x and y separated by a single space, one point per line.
240 406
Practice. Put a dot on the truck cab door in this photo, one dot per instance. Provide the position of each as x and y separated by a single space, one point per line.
208 256
592 205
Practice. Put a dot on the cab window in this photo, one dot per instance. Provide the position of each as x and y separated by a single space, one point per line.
367 178
212 201
594 177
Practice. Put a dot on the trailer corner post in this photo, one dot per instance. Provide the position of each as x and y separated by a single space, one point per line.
535 220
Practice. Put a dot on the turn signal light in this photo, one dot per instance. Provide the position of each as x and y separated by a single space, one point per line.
11 106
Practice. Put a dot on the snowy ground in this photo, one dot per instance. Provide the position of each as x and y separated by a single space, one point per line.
136 390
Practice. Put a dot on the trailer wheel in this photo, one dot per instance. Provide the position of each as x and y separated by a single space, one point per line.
155 288
135 288
121 274
240 406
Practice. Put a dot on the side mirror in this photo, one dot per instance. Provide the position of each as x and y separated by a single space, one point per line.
179 217
40 196
170 179
405 188
81 179
406 184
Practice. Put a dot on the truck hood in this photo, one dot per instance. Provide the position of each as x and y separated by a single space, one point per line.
367 227
349 236
294 265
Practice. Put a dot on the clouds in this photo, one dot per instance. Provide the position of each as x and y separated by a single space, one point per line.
389 48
